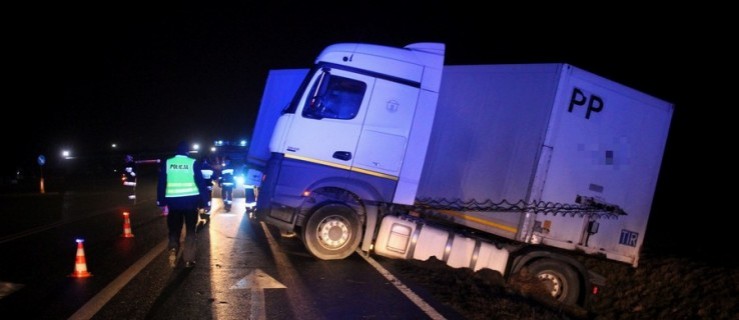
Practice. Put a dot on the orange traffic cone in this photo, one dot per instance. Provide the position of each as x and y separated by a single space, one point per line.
126 226
80 266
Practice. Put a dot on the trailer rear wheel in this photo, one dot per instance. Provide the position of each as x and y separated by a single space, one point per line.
560 280
332 232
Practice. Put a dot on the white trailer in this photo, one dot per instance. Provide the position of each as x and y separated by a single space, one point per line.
482 166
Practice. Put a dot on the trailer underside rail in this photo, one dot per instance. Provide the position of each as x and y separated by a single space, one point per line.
585 207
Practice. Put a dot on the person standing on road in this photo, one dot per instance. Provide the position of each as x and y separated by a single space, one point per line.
181 191
226 182
129 176
207 171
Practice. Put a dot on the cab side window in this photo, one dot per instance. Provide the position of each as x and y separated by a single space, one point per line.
334 97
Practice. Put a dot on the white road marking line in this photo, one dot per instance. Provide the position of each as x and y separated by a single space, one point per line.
425 307
99 300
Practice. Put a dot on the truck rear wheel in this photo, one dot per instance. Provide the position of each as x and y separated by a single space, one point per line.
560 280
332 232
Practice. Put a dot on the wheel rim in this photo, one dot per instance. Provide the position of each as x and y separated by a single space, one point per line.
553 283
333 232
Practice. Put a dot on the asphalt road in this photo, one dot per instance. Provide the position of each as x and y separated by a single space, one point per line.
245 269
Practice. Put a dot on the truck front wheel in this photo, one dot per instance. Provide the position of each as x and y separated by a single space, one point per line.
332 232
560 280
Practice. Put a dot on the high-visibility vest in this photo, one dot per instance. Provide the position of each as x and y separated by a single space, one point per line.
180 177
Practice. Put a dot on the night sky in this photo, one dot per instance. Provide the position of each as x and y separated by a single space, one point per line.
146 76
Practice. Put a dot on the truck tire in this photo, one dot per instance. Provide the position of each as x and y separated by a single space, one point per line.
332 232
560 280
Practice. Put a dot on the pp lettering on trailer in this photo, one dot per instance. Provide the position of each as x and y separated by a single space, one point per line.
579 98
628 238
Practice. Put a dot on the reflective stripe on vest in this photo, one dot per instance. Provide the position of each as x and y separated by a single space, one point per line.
180 177
206 173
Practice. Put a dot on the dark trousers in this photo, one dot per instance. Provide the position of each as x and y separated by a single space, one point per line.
175 218
227 194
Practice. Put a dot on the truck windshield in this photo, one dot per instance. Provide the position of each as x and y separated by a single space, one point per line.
334 97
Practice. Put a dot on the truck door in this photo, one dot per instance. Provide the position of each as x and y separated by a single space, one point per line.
354 122
329 117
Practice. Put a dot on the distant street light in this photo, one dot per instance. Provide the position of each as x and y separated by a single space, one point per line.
113 145
66 154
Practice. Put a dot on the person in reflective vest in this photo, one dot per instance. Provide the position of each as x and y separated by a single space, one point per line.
129 176
207 171
226 182
181 192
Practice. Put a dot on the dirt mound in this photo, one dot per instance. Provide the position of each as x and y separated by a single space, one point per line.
664 286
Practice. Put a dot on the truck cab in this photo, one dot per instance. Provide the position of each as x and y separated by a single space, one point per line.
348 128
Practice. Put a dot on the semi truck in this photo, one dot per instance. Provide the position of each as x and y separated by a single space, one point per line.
387 151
